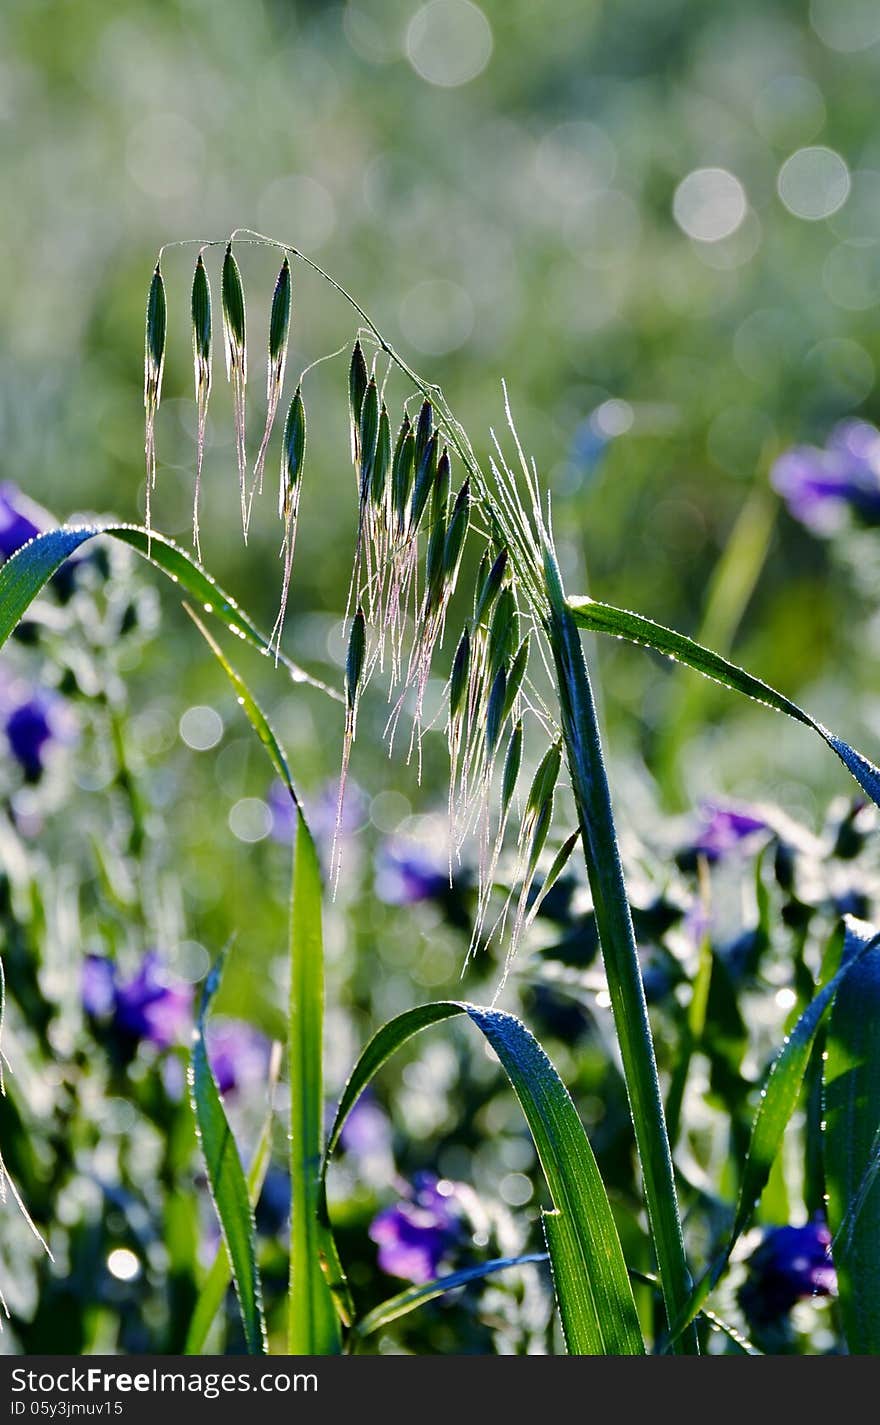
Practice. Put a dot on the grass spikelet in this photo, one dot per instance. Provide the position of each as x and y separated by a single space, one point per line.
456 535
154 365
489 587
235 342
279 330
426 468
402 471
293 447
357 385
202 364
354 669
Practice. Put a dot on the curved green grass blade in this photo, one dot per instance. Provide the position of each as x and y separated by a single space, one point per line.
406 1301
313 1327
852 1150
779 1099
226 1178
24 575
210 1298
605 618
601 1318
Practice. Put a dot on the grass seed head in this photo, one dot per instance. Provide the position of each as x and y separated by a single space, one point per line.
201 321
368 435
279 318
515 677
426 468
154 341
459 678
232 302
489 588
495 711
545 779
382 460
424 428
456 533
354 662
512 765
402 470
293 447
357 386
503 630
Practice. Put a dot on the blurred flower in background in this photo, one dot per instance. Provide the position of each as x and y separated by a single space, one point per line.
20 519
417 1234
821 485
34 721
409 871
791 1264
151 1006
238 1054
726 827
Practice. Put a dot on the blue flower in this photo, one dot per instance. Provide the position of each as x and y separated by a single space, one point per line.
726 826
366 1131
822 485
20 519
408 872
238 1054
790 1265
417 1234
151 1006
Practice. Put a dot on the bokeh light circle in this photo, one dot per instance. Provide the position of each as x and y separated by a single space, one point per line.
449 42
813 183
709 204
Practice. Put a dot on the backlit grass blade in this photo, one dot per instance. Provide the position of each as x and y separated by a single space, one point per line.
414 1296
605 618
210 1298
313 1327
779 1099
24 575
588 1265
852 1150
226 1178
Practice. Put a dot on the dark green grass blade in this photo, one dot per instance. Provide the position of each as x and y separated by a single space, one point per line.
226 1179
414 1296
24 575
210 1298
605 618
852 1150
601 1319
313 1327
779 1099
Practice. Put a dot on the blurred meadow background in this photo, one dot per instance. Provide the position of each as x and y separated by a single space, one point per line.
659 223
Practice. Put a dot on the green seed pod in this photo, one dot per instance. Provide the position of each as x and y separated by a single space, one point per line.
279 319
545 779
442 487
483 568
232 302
455 536
402 468
512 764
541 827
357 385
424 427
369 431
434 563
354 662
487 592
495 711
382 460
425 471
515 677
293 446
461 669
201 322
154 341
503 630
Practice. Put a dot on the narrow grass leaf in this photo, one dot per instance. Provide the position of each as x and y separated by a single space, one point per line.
605 1316
25 574
605 618
852 1150
414 1296
226 1179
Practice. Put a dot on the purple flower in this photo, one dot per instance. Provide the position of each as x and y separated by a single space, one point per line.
418 1233
320 812
238 1054
366 1131
725 827
151 1005
29 731
820 485
20 519
791 1264
408 871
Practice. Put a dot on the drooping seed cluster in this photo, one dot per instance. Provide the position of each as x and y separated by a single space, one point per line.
412 531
